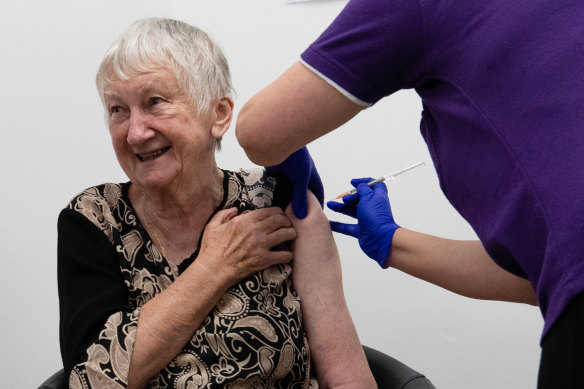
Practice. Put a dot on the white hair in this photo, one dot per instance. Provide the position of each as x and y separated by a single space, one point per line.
198 62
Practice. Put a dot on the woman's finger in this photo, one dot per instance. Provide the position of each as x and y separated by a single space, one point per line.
280 236
262 213
279 257
224 216
274 223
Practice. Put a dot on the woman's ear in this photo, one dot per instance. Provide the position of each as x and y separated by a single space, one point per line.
223 116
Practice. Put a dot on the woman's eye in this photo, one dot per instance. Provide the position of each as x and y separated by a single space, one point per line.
155 100
115 109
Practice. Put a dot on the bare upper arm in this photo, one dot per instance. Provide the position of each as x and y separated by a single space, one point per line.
316 258
335 347
296 108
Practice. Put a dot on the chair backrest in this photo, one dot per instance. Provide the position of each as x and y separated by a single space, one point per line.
56 381
389 373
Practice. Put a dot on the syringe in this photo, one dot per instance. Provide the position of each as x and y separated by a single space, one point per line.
386 177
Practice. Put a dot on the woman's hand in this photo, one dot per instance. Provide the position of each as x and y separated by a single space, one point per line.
237 246
233 247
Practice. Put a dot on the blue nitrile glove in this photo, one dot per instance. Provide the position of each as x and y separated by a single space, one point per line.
375 226
300 169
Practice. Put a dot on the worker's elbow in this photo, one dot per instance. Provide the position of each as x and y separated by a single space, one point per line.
258 157
249 136
532 300
242 129
250 147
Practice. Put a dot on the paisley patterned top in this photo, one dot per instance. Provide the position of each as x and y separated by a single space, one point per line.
109 267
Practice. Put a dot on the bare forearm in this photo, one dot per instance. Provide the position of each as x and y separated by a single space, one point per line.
334 344
168 321
462 267
292 111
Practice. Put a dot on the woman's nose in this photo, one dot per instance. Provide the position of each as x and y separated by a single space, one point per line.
139 129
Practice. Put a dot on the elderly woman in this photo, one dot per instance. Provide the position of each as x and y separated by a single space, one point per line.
182 277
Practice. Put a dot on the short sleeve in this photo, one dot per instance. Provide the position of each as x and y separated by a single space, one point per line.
372 49
97 327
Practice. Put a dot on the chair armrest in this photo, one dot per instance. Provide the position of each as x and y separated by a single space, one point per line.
389 373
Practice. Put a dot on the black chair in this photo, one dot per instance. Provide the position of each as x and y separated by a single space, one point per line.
56 381
389 373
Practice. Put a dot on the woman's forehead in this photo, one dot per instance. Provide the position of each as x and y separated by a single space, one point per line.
152 81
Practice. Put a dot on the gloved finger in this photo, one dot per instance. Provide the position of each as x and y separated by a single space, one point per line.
351 199
356 181
316 187
299 165
299 201
346 229
349 210
363 190
380 188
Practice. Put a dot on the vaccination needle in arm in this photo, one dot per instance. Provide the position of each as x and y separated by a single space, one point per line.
386 177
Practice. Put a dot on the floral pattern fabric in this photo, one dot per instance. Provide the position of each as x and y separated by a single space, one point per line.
253 338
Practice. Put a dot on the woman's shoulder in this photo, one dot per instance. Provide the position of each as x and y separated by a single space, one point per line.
259 187
108 194
100 204
257 177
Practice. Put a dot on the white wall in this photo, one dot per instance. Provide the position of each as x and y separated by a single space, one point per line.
54 143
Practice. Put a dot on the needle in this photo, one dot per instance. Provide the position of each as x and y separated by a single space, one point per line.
386 177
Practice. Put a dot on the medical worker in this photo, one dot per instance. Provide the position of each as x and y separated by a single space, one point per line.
502 87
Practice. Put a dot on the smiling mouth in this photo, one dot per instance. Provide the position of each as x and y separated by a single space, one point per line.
152 155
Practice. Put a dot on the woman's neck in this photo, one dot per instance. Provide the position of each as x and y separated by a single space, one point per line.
200 194
176 216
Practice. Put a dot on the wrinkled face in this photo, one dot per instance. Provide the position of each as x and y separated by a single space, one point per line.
157 134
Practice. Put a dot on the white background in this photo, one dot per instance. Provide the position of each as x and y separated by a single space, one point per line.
55 143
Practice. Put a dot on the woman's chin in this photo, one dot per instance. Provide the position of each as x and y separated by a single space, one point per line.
154 182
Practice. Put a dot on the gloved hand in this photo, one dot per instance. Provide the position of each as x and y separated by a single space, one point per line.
375 226
300 169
